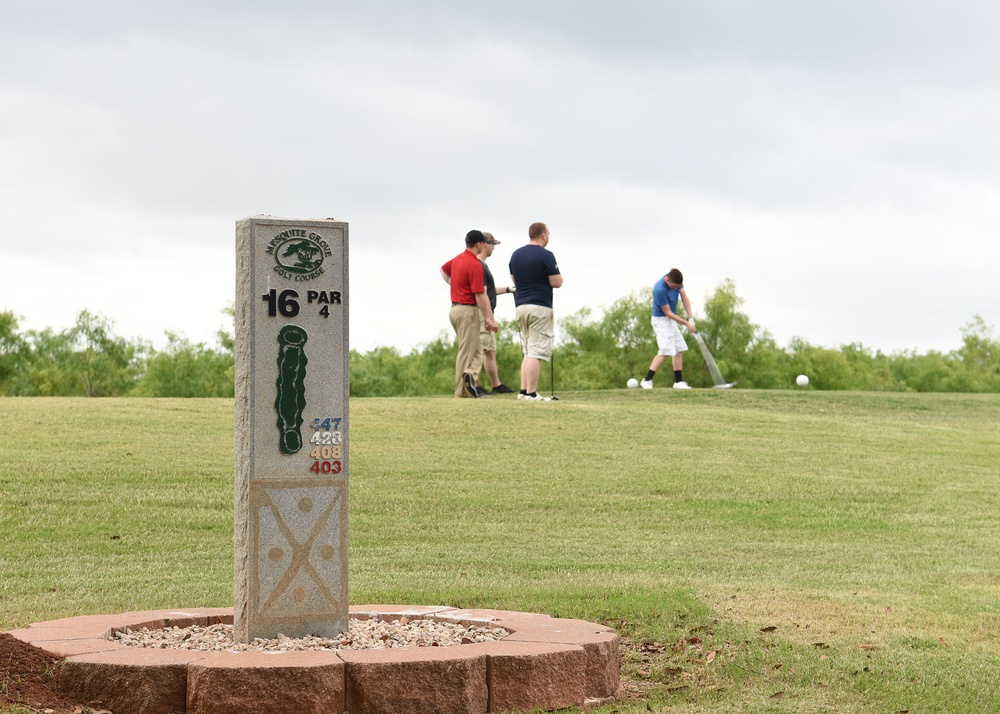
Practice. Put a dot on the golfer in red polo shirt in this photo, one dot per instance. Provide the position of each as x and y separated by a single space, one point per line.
465 275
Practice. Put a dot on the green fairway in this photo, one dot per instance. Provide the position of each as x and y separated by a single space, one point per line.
758 551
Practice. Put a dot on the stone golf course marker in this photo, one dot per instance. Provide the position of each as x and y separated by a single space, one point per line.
292 426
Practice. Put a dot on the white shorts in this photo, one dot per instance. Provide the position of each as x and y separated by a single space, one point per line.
668 336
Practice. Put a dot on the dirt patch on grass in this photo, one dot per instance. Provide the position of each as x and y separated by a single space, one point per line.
686 667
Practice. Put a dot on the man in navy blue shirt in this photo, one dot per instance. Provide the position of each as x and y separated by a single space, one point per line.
535 273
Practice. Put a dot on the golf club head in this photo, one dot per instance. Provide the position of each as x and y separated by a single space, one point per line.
554 398
730 385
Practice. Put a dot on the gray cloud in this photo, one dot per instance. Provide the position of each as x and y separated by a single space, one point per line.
823 155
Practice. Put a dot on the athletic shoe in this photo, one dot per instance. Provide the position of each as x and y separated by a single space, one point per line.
469 387
481 392
681 385
536 398
646 384
502 389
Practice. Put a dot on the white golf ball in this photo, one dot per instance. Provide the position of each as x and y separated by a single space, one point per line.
633 383
802 380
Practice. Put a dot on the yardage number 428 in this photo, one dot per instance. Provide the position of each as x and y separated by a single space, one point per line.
332 438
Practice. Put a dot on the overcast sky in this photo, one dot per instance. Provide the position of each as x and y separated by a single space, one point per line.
838 161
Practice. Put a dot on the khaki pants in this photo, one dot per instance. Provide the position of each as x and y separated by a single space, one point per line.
465 320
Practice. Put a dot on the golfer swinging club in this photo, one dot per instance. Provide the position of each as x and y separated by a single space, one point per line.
665 320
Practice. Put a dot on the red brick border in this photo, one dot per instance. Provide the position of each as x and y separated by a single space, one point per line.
546 663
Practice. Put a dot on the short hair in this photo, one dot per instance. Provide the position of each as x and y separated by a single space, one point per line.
676 276
537 230
473 237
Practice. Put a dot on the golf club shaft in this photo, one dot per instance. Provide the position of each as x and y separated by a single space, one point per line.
552 375
713 368
552 370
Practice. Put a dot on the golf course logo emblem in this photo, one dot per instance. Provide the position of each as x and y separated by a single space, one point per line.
298 255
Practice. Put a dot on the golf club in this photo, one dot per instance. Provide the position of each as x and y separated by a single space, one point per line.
713 368
552 376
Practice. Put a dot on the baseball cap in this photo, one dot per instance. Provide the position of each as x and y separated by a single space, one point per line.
473 237
490 239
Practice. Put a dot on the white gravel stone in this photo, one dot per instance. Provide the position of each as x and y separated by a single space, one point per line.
363 634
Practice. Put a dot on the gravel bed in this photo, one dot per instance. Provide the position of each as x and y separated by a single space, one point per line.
363 634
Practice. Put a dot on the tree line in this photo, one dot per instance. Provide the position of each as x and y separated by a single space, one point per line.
89 360
594 352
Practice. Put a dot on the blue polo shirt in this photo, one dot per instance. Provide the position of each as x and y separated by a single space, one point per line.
663 294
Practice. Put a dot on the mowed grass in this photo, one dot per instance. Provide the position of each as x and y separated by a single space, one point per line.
757 551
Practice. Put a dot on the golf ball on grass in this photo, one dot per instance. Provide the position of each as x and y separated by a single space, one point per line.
633 383
802 380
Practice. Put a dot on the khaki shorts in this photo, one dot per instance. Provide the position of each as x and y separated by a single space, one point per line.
486 338
538 328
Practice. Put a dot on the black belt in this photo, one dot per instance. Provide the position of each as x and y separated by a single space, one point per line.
463 304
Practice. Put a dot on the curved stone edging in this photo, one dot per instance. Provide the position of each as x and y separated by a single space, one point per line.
546 663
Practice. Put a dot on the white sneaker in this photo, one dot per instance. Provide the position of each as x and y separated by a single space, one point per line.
681 385
536 398
646 384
